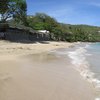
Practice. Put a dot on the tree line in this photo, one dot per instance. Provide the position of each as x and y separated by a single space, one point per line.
16 10
64 32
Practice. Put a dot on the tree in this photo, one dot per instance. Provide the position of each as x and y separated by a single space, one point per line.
64 32
20 14
16 9
4 10
42 21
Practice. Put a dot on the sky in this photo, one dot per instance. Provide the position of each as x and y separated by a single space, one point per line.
68 11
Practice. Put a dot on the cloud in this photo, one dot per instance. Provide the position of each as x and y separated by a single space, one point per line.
61 12
73 15
96 4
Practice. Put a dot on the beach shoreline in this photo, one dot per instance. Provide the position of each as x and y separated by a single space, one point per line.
18 49
39 76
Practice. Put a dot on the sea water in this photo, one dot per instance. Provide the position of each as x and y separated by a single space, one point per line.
85 58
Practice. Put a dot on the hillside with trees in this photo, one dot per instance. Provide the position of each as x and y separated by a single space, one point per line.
14 12
64 32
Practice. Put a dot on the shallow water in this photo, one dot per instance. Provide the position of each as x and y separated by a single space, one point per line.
94 58
85 58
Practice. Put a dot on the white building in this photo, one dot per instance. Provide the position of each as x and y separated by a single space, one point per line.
43 31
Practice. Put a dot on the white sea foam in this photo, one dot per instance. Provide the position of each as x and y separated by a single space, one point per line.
77 56
81 64
97 98
87 45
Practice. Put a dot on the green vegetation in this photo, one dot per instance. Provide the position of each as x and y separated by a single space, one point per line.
64 32
17 11
42 21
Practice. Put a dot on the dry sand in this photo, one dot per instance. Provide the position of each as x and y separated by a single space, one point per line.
8 48
40 76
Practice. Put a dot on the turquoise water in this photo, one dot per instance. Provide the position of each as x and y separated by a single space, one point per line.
94 59
87 54
85 58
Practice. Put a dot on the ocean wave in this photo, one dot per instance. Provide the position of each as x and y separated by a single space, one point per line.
97 98
78 58
82 65
87 46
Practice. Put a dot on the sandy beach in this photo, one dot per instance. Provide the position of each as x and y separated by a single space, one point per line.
29 72
17 49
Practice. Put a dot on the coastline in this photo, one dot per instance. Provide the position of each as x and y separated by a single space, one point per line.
42 78
20 49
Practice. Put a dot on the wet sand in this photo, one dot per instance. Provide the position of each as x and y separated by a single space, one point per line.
28 74
42 77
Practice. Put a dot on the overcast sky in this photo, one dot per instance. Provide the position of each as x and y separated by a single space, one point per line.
68 11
